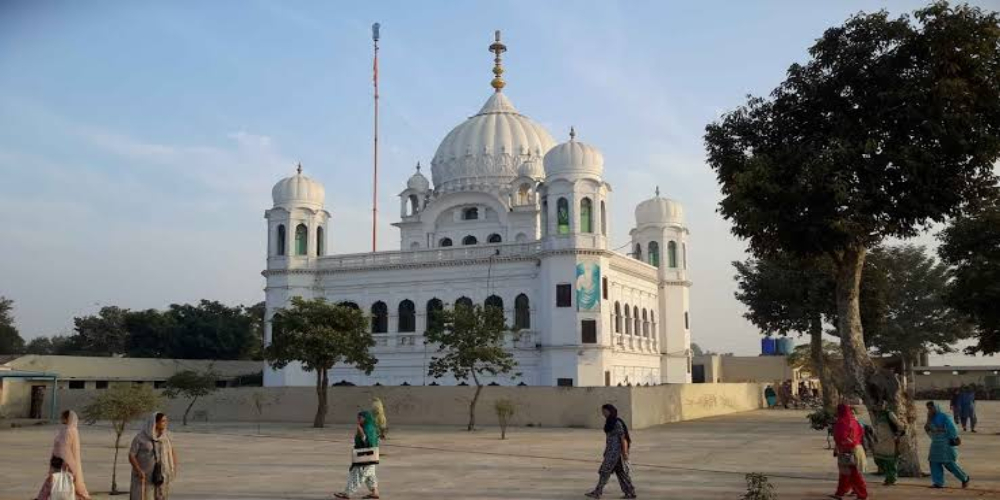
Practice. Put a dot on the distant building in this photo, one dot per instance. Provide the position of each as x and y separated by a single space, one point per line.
713 368
26 381
947 377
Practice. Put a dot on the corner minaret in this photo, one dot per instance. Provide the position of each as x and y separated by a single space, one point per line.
660 239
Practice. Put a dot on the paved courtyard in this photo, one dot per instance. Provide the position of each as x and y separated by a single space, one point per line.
703 459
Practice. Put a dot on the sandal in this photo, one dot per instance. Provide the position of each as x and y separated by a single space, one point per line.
371 496
341 495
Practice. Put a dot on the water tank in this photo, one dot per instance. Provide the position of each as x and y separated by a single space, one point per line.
785 346
767 346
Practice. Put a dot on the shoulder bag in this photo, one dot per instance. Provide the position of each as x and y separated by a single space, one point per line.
156 478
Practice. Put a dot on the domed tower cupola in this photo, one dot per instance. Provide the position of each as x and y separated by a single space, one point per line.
414 198
575 195
297 221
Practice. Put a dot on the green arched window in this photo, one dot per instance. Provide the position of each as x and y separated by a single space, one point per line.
562 216
301 239
654 254
672 254
319 241
281 239
586 216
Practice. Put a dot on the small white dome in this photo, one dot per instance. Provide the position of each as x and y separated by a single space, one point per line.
532 167
574 157
489 147
659 210
418 182
298 191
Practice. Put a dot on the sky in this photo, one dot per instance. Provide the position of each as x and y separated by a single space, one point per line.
139 140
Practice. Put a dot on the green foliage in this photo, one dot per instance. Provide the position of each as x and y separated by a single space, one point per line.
120 405
759 488
102 334
211 330
822 419
470 343
971 245
319 335
189 384
504 409
785 294
10 339
696 350
910 287
378 411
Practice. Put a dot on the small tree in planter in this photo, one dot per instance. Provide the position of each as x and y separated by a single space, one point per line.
189 384
259 401
505 409
120 405
759 488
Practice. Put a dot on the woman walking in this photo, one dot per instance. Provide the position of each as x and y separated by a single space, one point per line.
66 454
888 430
616 451
365 436
944 439
153 459
847 437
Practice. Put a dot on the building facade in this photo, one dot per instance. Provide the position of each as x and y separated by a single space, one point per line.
509 219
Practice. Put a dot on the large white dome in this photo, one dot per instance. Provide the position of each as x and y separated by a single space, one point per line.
574 158
298 191
487 149
659 210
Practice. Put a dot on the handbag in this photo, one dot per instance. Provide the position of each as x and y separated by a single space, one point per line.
848 459
62 486
156 478
364 456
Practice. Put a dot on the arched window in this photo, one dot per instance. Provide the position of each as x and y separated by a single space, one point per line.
471 213
586 216
684 255
562 216
347 303
545 216
654 254
522 194
494 238
434 308
445 242
638 251
645 324
319 241
407 321
463 302
604 219
301 239
628 320
494 301
652 322
380 317
522 312
415 245
521 238
638 322
469 240
618 317
414 204
672 254
281 239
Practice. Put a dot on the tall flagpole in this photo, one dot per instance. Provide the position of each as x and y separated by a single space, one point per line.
375 36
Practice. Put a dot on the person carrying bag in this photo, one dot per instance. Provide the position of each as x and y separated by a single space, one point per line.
364 458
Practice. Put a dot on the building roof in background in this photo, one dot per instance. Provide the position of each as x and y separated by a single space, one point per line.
137 369
984 368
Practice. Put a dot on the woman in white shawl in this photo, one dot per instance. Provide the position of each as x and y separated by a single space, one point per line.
66 448
151 446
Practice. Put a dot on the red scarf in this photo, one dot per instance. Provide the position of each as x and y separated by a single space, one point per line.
847 432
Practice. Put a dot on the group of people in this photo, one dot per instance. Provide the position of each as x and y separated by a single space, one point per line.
784 395
152 456
849 436
963 406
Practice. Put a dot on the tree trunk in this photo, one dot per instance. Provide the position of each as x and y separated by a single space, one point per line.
863 379
184 420
114 469
475 399
829 387
321 408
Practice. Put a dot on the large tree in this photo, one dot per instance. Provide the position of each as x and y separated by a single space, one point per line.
893 124
210 330
10 339
101 334
470 344
319 335
151 334
972 246
785 294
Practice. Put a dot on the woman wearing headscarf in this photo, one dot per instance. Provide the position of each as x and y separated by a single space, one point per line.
365 436
944 439
847 436
888 429
153 459
616 450
66 454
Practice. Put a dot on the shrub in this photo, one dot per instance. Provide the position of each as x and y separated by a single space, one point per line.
505 409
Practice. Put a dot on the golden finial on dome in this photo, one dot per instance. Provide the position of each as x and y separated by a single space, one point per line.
657 191
572 133
497 48
299 168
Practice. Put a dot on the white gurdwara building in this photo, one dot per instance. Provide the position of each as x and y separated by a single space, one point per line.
512 220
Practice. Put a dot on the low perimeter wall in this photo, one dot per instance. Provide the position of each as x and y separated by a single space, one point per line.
538 406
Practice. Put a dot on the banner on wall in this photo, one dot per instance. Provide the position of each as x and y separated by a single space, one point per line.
588 287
